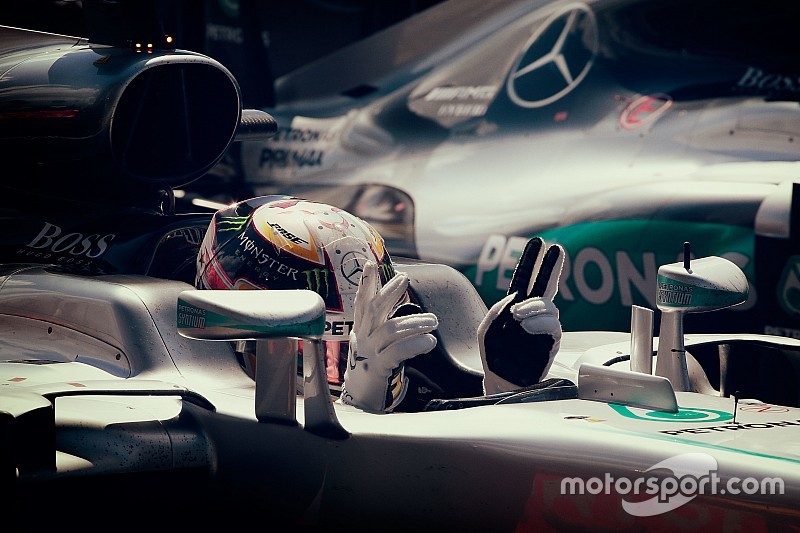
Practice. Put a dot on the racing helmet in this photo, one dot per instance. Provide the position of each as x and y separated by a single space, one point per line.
285 242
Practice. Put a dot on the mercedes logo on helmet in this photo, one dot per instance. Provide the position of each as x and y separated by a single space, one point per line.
352 266
555 59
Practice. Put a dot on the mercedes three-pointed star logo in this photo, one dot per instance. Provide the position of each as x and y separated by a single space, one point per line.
352 266
556 58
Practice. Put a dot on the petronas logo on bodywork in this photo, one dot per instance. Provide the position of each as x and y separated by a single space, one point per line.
789 287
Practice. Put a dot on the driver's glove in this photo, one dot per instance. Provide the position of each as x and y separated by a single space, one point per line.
373 380
520 335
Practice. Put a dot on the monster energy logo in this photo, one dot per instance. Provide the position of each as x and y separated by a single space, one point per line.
387 272
317 280
231 223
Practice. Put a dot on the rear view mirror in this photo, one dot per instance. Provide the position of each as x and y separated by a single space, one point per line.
227 315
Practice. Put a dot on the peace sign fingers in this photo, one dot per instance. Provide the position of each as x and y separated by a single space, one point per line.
546 284
526 269
521 333
538 271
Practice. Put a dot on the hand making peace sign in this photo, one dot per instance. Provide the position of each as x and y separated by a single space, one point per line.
520 335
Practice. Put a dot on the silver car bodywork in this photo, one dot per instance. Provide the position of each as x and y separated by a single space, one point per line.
618 129
104 398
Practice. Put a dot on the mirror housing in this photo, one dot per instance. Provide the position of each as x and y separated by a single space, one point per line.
227 315
697 286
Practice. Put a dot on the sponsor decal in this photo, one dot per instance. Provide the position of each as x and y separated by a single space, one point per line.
731 427
73 249
674 293
60 260
603 277
386 272
481 92
304 146
556 58
644 111
286 234
317 280
224 34
258 253
231 223
758 407
303 135
789 287
283 158
677 295
190 316
339 328
462 101
53 239
782 331
462 110
352 266
756 80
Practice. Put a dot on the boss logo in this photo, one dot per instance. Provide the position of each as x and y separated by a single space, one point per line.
78 244
756 78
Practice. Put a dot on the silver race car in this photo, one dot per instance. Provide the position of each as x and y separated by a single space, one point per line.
618 129
122 401
121 395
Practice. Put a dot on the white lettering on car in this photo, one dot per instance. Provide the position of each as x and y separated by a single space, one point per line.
74 243
590 273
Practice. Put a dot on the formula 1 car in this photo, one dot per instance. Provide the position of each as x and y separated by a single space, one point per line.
617 128
122 402
122 399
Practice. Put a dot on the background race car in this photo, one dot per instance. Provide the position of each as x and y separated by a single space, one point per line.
619 129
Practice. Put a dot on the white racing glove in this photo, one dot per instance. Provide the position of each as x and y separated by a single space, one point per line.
520 335
373 380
